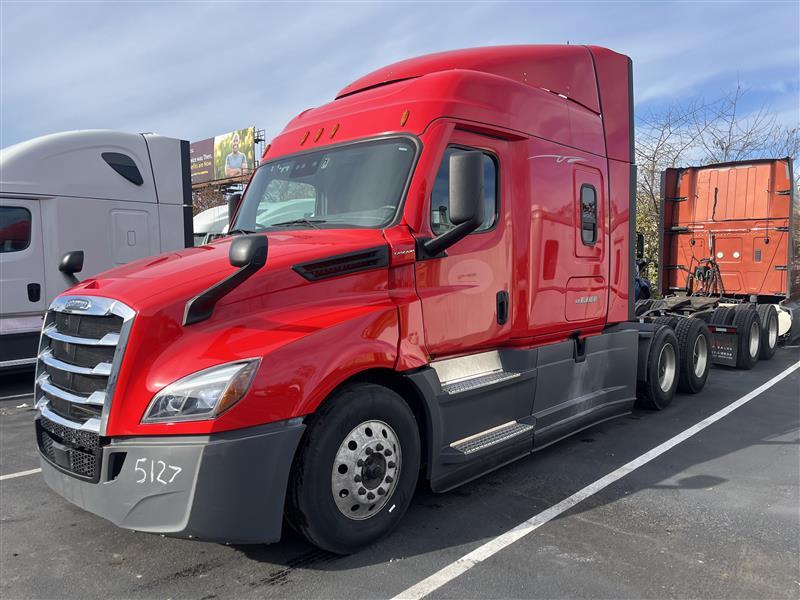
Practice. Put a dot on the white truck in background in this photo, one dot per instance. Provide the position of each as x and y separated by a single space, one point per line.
114 196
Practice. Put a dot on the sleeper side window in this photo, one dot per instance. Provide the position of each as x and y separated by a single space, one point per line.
440 196
588 215
15 228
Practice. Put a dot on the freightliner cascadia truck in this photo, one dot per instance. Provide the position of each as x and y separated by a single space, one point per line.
457 295
730 255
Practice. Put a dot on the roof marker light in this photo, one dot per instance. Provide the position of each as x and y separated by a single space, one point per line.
404 117
304 138
334 130
319 134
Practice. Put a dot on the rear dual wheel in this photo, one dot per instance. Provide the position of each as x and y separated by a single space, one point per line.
356 470
694 345
769 330
748 328
661 377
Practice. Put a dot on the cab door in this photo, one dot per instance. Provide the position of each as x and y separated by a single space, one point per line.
21 258
466 294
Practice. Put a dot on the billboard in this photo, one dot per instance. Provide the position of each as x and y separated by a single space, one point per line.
228 155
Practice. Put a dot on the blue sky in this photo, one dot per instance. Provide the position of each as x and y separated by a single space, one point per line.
194 70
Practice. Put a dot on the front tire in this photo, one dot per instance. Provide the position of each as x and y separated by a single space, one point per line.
355 473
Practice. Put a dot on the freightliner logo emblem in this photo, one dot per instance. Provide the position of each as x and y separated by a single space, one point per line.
78 304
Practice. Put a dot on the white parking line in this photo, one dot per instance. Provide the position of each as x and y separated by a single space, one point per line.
493 546
19 474
14 397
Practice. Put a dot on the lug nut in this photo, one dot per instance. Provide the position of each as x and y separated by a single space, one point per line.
381 491
389 479
370 496
360 463
357 478
361 491
379 447
368 451
390 464
387 453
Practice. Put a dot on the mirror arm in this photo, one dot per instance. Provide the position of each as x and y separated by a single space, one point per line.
434 248
202 306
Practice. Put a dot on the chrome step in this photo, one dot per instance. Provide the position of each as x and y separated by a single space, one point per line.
466 385
491 437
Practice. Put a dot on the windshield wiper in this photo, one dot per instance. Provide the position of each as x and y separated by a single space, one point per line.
311 222
239 231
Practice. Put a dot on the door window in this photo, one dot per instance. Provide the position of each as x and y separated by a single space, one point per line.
588 215
15 228
440 196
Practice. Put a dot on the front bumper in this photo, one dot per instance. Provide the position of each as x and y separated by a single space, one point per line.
226 487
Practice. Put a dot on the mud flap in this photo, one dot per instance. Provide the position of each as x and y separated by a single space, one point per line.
724 345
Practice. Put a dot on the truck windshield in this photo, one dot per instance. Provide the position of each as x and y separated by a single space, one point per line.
357 185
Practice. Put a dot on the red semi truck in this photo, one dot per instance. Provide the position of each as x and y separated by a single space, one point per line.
457 295
730 255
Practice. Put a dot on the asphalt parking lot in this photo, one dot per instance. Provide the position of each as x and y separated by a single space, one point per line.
717 515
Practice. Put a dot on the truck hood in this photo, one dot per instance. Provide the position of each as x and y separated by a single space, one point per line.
148 284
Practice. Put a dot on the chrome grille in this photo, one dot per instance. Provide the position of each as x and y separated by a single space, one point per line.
81 348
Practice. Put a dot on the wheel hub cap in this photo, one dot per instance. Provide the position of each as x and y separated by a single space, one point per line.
365 470
666 367
754 333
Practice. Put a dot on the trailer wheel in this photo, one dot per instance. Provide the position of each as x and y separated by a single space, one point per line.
694 345
658 389
748 327
769 330
722 316
642 306
356 470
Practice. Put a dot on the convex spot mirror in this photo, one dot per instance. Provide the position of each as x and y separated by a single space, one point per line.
466 200
248 251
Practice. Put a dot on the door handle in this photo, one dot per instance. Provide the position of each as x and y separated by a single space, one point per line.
502 307
34 292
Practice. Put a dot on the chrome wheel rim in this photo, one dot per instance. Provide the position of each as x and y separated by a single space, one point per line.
666 367
700 355
365 470
772 332
754 335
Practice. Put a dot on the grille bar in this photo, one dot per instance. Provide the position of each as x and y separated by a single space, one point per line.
109 339
98 398
102 368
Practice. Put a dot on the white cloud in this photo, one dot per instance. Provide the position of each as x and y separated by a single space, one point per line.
196 69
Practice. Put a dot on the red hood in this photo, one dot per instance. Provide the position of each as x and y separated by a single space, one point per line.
150 283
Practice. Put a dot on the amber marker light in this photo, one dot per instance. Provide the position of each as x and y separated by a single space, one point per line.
319 134
304 138
334 130
404 117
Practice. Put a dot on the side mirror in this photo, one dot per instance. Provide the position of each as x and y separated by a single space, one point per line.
466 200
639 246
234 201
71 263
248 251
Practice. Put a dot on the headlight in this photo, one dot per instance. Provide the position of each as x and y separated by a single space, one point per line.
202 395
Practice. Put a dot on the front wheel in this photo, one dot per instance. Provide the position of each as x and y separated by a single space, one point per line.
355 473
